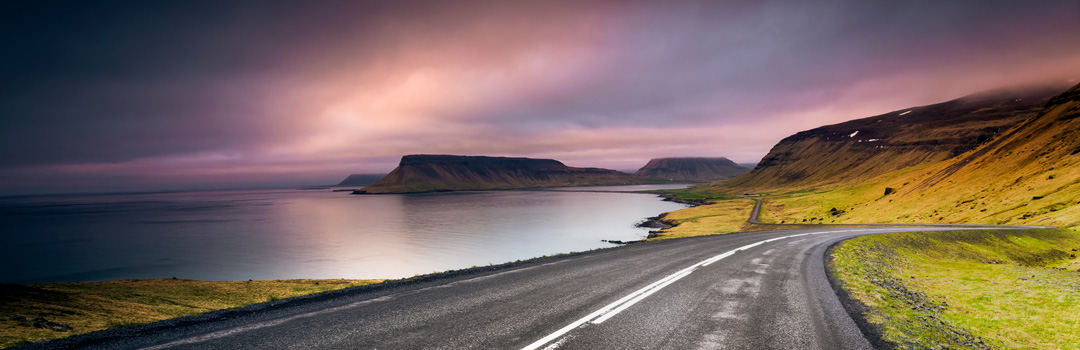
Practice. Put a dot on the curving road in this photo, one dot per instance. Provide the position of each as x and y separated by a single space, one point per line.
757 290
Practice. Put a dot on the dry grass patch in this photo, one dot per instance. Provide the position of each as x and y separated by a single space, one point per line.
723 216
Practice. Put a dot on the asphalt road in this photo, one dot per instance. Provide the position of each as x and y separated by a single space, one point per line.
754 290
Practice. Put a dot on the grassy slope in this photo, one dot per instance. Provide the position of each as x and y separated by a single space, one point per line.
724 216
837 155
1031 175
976 289
91 306
1028 175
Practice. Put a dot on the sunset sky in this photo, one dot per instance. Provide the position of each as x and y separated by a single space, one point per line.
154 95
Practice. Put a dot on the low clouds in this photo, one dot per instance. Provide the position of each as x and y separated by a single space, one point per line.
203 94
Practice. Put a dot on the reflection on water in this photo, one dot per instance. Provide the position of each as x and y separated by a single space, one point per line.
625 188
239 235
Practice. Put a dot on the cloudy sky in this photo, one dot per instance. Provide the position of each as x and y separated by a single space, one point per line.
152 95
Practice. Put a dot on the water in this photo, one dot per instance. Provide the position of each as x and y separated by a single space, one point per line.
284 234
623 188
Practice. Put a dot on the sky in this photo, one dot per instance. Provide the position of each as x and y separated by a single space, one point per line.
109 96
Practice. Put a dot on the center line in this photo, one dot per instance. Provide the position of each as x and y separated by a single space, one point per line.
625 302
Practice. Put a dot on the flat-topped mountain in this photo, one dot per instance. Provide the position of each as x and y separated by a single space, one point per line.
429 173
863 148
691 169
357 180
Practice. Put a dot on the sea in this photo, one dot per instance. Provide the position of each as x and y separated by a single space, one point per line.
293 234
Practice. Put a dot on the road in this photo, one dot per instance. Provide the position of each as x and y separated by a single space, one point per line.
754 290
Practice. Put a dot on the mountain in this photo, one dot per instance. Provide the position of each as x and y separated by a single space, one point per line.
358 180
865 148
428 173
691 169
1027 173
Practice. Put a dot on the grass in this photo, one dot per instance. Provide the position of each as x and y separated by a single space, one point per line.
967 290
723 216
92 306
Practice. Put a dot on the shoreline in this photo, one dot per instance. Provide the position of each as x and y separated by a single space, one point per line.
362 191
33 322
132 329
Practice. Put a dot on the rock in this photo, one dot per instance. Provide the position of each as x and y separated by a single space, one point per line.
658 222
889 190
41 322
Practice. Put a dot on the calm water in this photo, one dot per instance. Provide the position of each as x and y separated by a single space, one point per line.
279 234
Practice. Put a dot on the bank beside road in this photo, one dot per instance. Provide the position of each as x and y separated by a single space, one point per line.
1009 288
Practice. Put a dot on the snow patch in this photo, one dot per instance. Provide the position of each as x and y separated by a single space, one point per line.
854 133
872 140
909 111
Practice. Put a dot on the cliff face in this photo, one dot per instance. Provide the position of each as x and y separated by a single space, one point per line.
691 169
864 148
356 180
428 173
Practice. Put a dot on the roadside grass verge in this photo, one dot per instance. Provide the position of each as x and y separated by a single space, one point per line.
92 306
981 289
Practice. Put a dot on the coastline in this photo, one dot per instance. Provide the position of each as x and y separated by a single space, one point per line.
27 317
122 329
362 191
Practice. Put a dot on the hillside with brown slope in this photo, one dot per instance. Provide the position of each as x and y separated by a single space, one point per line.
691 169
428 173
1028 175
864 148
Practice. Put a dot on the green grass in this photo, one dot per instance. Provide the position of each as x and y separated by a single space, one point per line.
967 290
91 306
723 216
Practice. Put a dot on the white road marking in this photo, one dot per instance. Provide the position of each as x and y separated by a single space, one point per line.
228 332
625 302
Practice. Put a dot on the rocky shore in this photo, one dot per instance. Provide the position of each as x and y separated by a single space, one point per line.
659 223
690 202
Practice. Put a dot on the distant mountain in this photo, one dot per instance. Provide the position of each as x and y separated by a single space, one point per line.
428 173
864 148
691 169
359 180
